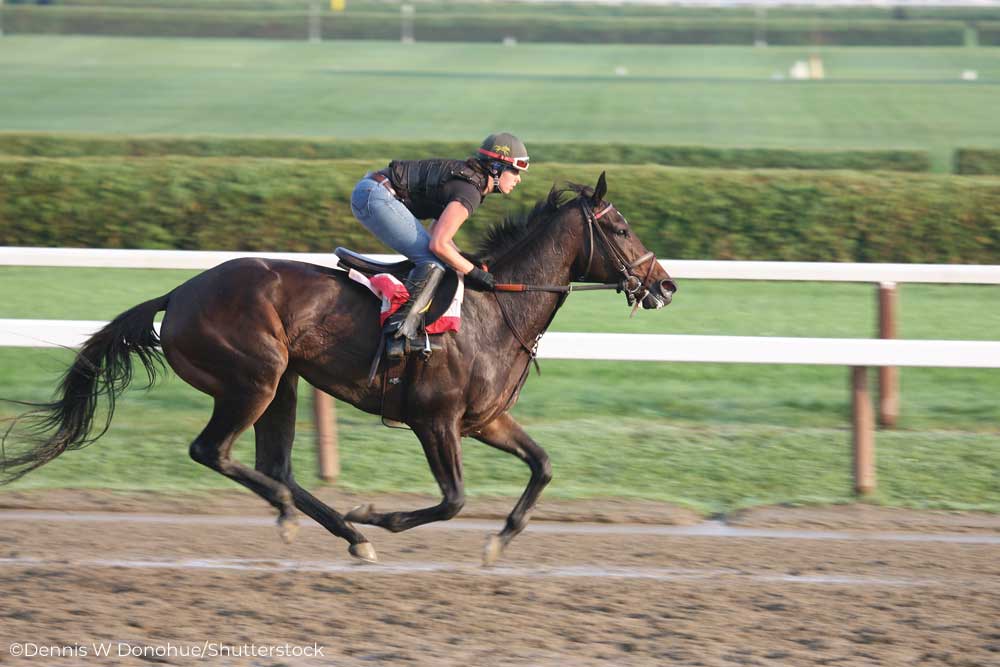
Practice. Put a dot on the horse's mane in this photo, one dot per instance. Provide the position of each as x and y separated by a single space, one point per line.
515 229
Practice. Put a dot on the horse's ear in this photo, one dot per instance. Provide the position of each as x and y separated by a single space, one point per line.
601 189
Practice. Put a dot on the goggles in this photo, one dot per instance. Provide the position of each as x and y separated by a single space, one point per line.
519 163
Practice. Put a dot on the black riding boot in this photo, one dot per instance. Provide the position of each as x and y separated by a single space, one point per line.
404 325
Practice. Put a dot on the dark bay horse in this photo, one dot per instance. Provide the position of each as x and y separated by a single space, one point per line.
245 331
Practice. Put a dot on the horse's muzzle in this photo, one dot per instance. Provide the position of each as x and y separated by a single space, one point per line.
660 295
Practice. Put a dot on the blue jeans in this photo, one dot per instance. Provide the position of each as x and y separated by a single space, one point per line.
388 219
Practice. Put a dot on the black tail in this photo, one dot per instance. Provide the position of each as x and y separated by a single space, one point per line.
103 367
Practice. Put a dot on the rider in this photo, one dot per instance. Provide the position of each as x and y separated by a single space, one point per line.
391 202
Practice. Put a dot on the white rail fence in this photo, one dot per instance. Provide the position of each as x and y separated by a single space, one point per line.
858 354
646 347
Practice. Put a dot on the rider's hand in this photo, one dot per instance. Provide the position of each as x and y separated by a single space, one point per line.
481 280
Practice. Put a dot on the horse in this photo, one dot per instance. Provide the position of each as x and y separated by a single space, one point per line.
245 331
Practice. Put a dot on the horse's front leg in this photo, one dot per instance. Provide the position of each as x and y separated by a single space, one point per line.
442 445
507 435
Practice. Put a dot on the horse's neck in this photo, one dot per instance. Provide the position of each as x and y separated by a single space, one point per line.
547 260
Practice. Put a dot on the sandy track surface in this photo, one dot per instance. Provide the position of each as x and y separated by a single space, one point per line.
560 596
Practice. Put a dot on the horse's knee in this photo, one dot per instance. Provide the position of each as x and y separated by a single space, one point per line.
205 454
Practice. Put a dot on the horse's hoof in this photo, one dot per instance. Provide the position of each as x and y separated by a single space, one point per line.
364 551
360 514
288 528
492 551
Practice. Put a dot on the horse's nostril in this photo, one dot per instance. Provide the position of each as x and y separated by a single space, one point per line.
667 287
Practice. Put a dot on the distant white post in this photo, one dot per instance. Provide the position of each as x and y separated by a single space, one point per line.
406 16
314 23
760 26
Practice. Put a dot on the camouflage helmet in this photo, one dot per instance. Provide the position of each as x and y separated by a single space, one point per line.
506 148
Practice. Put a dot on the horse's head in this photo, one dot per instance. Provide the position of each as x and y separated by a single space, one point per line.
612 253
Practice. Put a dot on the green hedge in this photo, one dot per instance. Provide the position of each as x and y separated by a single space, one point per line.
167 23
865 33
989 34
977 161
471 27
279 205
689 31
49 145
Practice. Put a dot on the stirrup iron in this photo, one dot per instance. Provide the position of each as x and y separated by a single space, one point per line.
403 327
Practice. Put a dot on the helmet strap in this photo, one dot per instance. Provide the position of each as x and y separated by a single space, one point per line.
496 171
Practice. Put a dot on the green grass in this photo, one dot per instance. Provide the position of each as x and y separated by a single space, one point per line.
710 436
717 96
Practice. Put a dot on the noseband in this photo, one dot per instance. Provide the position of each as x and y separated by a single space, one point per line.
635 288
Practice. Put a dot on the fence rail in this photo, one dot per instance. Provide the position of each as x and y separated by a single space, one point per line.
857 354
647 347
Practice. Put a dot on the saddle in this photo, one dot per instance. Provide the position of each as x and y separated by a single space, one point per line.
393 407
443 295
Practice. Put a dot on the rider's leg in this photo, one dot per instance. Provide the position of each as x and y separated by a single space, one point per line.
387 218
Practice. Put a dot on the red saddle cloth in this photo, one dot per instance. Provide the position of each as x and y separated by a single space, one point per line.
394 294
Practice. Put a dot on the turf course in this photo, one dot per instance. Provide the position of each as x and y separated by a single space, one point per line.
714 437
717 96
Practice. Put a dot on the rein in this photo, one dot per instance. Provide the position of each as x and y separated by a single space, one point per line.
630 283
564 289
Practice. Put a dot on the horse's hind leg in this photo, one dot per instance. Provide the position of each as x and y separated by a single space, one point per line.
507 435
213 446
275 432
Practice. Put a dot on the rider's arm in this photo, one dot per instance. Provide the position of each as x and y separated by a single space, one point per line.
442 233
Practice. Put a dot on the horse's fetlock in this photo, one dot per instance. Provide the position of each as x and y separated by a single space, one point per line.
452 506
545 471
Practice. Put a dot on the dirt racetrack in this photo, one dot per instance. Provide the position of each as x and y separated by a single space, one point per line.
774 586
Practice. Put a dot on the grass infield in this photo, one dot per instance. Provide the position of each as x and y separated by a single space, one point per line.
680 95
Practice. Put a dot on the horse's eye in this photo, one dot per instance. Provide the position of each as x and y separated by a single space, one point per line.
622 232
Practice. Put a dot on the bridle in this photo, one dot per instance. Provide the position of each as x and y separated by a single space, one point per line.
635 288
631 284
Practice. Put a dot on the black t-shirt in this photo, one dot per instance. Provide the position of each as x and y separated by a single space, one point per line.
463 192
426 187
